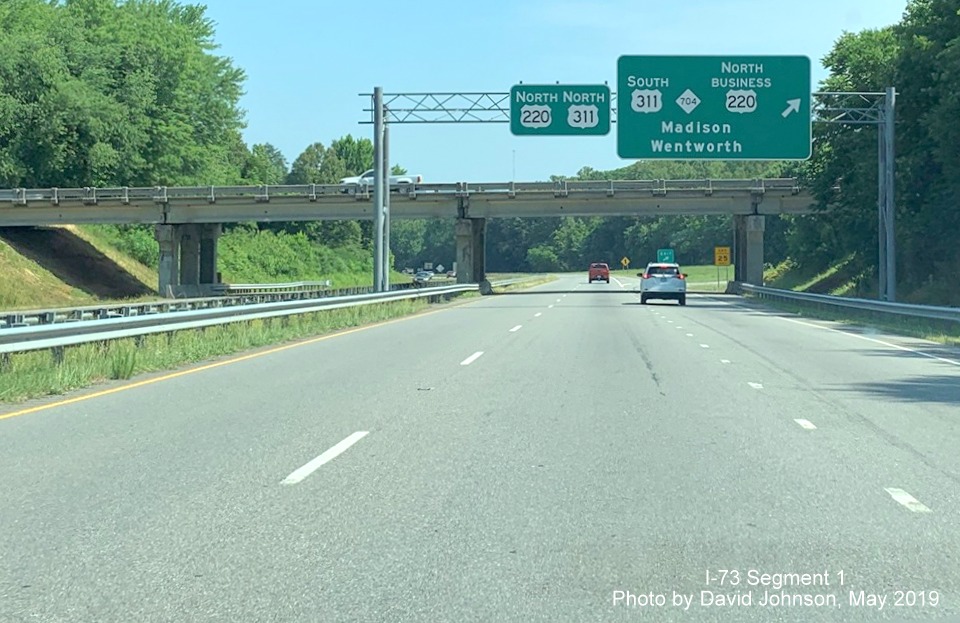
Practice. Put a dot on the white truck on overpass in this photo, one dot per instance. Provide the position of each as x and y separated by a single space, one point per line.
364 182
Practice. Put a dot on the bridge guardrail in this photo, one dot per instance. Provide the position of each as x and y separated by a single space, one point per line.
59 335
230 295
319 192
931 312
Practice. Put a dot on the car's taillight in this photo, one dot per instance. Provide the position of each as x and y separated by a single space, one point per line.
646 275
680 276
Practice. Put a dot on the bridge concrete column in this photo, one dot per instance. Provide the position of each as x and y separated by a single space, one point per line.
169 271
471 250
753 249
739 246
189 259
209 236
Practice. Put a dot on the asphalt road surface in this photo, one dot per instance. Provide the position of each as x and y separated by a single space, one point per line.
555 454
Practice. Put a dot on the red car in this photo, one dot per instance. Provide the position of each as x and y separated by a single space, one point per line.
599 272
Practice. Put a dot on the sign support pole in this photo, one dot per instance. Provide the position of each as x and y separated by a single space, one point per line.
378 189
889 203
386 203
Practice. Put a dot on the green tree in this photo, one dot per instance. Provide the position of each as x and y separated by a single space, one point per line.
316 165
356 154
407 240
266 165
542 259
928 142
95 92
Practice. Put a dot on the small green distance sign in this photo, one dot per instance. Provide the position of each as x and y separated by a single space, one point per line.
665 256
560 110
714 107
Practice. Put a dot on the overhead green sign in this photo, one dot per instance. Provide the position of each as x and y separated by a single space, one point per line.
714 107
665 256
560 110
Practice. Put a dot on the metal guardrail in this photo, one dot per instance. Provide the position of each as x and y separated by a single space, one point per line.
232 295
59 335
246 288
931 312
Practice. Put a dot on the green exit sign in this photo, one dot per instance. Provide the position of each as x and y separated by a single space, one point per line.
665 256
714 107
560 110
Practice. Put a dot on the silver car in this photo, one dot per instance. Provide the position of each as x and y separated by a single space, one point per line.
663 281
423 276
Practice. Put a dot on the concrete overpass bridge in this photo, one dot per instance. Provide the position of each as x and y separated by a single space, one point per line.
188 219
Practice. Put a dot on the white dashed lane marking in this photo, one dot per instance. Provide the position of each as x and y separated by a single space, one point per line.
471 358
326 457
807 424
907 500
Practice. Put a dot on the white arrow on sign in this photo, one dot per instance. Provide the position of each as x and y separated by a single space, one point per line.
792 106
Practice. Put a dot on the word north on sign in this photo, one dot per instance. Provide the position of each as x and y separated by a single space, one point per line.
714 107
560 110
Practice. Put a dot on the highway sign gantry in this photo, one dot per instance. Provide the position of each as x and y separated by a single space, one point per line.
714 107
560 110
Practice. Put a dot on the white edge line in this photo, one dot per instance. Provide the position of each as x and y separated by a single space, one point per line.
326 457
807 424
471 358
907 500
874 340
516 328
619 283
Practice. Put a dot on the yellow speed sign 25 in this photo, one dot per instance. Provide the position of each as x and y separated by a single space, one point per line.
721 256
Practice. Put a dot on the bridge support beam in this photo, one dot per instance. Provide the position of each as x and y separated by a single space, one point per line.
471 251
748 254
189 259
209 236
169 274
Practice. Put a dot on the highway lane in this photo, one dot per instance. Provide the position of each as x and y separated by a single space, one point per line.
600 446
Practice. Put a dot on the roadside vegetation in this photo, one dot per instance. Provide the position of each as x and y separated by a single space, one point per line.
35 374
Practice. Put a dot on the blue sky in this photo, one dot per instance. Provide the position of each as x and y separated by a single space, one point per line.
307 61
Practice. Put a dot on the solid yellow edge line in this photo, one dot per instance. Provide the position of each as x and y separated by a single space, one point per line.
173 375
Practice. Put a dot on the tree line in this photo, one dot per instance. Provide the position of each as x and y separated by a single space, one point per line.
111 93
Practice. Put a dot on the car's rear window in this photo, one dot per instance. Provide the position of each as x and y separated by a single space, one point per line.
663 270
597 265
